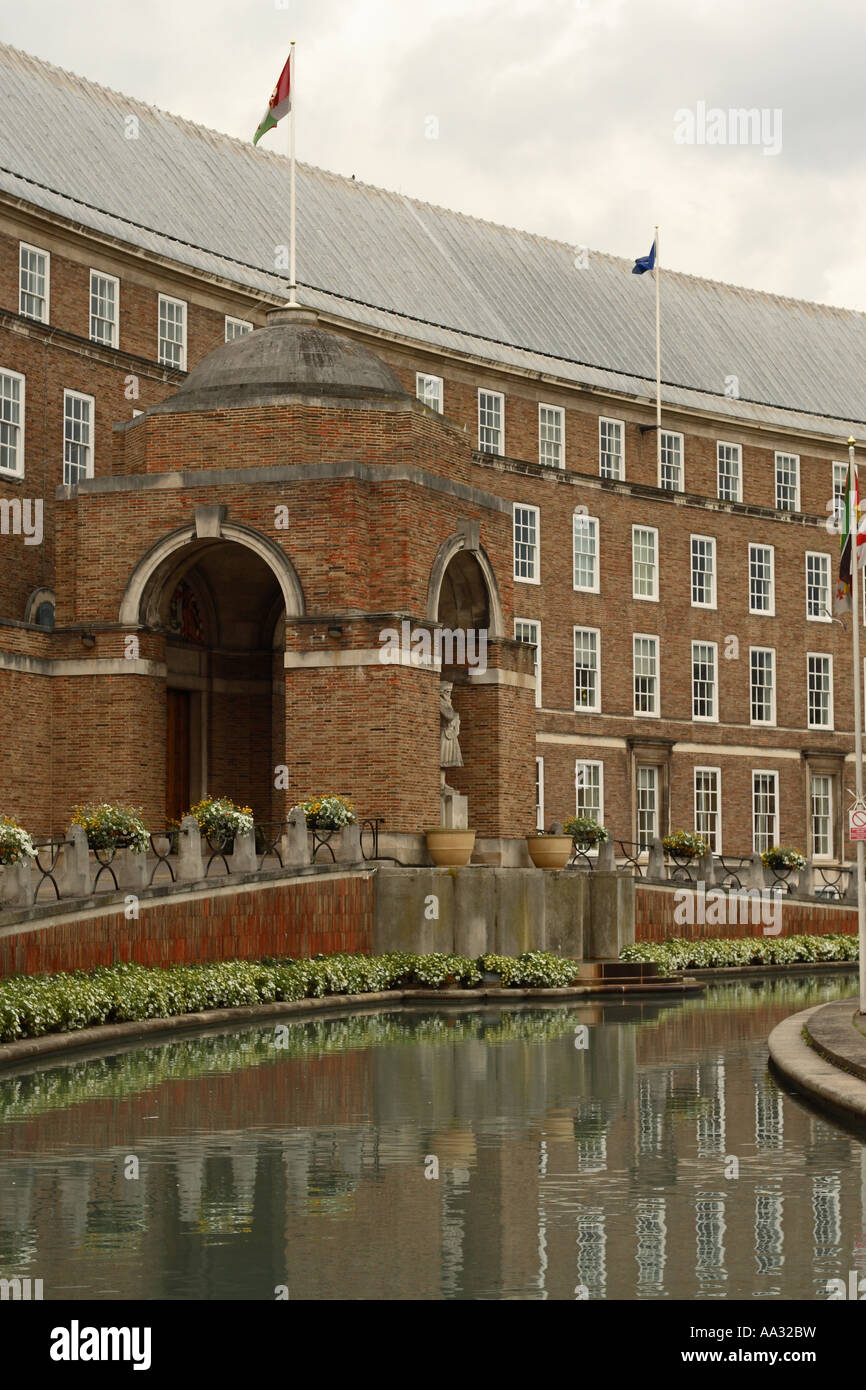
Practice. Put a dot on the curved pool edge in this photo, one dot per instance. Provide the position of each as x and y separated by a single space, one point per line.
810 1073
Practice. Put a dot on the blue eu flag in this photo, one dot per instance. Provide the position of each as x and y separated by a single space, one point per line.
644 263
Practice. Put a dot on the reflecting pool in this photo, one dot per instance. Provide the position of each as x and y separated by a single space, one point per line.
464 1153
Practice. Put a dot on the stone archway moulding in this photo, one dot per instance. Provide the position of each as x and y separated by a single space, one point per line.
141 582
445 554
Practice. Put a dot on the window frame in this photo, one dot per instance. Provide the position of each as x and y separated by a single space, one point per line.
830 780
421 377
536 576
827 616
655 712
829 727
654 596
673 434
774 838
247 324
711 540
656 780
90 468
22 405
596 707
763 723
539 791
536 623
583 519
40 251
783 454
560 411
717 773
590 762
500 396
115 325
611 420
729 444
705 718
762 612
170 299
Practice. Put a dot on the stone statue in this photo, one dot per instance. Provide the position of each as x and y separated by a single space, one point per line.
449 746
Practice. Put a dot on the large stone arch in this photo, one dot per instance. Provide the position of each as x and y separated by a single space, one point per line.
456 545
140 601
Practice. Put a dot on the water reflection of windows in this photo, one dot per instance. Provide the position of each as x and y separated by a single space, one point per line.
651 1241
591 1252
649 1119
769 1118
710 1123
769 1236
710 1237
826 1214
590 1134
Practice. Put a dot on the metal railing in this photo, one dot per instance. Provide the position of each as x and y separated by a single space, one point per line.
46 862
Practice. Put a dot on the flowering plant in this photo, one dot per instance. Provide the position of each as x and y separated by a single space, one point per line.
781 857
112 827
327 812
16 845
220 819
585 831
685 844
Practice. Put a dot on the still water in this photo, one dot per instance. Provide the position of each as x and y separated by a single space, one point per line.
461 1154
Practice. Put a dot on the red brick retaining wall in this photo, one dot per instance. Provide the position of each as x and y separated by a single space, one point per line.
654 909
295 917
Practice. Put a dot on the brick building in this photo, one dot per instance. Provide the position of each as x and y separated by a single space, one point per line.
205 529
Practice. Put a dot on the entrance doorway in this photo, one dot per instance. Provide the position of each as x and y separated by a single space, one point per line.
177 753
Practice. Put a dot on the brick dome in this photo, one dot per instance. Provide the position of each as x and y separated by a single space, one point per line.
291 358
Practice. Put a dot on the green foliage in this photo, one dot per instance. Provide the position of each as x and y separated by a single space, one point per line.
685 844
15 843
327 812
112 827
585 832
220 819
532 970
783 857
678 954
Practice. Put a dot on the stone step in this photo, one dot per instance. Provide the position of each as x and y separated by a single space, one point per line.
619 970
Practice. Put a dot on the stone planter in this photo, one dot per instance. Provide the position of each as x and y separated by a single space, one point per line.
16 884
450 849
549 851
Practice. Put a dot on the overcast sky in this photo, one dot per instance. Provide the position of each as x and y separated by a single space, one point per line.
557 116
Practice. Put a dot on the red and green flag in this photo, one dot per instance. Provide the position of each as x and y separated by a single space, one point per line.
851 530
280 103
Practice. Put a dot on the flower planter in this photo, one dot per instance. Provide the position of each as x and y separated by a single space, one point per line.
450 849
549 851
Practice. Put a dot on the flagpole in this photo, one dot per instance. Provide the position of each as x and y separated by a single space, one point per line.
293 292
854 522
658 366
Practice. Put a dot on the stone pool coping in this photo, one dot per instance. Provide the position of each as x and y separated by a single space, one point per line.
814 1064
142 1029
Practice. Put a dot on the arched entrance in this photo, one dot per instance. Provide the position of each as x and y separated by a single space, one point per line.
220 604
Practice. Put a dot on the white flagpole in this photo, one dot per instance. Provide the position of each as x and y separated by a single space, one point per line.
854 522
658 365
293 292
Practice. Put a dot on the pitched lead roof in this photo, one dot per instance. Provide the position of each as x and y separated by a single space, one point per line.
391 263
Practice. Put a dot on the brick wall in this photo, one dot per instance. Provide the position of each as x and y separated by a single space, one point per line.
298 918
654 910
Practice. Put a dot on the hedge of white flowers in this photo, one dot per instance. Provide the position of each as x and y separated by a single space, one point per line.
678 954
16 846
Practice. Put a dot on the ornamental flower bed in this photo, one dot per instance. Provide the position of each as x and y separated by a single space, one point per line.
684 845
783 857
327 812
678 954
16 846
220 820
585 832
112 827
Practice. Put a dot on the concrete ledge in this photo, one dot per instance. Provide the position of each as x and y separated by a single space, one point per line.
809 1071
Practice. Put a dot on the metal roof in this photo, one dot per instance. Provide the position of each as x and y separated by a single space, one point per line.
389 262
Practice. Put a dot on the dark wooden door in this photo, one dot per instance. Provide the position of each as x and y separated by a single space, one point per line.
177 749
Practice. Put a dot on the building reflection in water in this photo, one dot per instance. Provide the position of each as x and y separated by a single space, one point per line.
606 1169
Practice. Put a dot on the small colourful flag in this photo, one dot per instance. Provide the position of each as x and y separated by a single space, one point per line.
280 103
645 263
851 525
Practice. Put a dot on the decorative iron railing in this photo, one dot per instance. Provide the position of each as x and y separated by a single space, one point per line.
46 863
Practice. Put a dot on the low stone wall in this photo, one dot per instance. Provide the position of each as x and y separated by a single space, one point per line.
656 904
328 912
507 911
